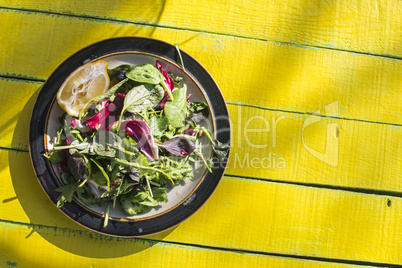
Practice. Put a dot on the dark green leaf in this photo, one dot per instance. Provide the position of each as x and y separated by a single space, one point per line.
220 149
98 176
103 143
78 167
160 195
67 178
55 156
67 193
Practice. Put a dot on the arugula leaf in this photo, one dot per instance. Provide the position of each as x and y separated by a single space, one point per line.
131 208
67 193
102 170
67 178
103 142
220 149
196 107
75 146
160 194
145 73
98 176
176 79
175 110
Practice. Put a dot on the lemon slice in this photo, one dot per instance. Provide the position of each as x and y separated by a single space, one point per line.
85 83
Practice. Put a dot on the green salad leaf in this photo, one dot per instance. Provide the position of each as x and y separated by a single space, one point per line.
176 110
141 97
158 125
145 74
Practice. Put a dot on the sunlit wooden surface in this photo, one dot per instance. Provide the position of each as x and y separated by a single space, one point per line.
313 89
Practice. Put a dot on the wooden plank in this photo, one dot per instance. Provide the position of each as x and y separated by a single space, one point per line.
270 145
366 26
246 215
18 99
270 75
42 245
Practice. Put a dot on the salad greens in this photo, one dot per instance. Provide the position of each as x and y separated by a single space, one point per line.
132 143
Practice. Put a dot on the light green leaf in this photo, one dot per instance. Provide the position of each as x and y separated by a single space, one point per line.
158 125
145 73
139 98
176 110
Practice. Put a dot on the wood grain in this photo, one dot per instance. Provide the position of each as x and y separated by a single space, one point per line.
246 215
367 26
275 76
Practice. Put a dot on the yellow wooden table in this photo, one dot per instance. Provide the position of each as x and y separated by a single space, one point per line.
314 90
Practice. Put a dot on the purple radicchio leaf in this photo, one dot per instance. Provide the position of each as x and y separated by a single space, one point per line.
168 79
141 133
190 131
108 114
179 145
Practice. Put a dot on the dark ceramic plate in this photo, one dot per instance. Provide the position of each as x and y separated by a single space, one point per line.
185 198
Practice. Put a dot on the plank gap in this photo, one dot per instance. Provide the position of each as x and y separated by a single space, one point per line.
268 180
310 113
13 149
324 186
41 80
37 227
366 53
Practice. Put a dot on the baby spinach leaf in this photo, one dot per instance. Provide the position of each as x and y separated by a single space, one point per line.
176 110
139 98
158 125
145 73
